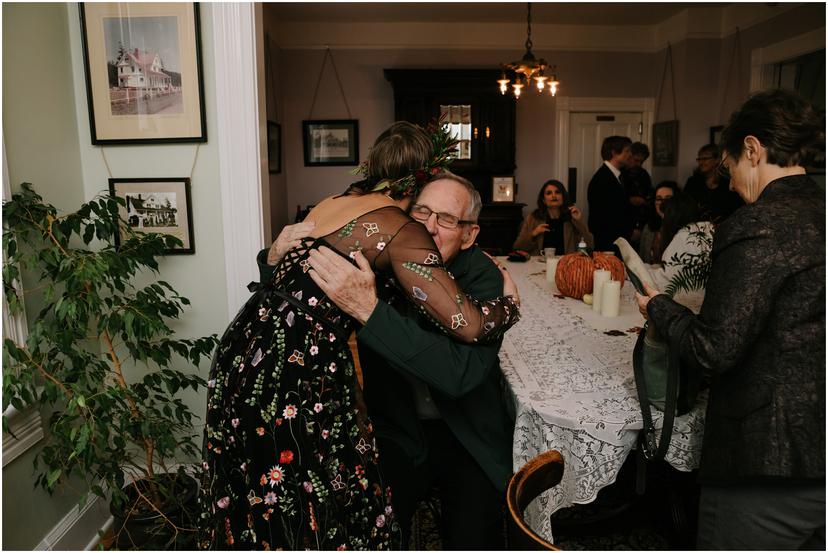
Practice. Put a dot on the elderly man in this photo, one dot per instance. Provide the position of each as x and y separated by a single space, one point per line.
436 404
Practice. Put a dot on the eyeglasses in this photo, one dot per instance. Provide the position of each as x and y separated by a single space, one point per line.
446 220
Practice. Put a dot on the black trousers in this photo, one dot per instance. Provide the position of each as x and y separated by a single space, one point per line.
471 506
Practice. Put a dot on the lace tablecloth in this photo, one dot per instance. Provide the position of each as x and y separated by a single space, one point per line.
574 391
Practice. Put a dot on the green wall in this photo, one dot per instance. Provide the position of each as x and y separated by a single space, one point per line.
47 141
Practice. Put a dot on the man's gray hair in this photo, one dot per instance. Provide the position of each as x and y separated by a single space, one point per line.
475 203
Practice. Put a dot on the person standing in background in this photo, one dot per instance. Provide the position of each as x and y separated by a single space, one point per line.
639 188
609 209
711 188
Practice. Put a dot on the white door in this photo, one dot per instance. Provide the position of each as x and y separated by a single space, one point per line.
587 130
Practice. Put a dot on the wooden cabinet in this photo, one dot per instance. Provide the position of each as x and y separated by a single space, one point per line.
419 93
499 226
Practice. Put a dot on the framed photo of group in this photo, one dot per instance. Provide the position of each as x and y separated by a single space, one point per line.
159 205
331 142
144 79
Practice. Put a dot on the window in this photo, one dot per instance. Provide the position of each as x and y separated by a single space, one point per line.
805 75
457 118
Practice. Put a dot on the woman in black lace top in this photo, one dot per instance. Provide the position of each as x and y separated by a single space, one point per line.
290 459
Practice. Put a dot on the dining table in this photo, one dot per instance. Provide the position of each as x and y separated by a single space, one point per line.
569 373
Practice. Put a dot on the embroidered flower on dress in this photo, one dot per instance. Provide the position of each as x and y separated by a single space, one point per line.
305 264
297 357
457 321
381 246
276 475
363 446
370 228
270 498
380 521
332 367
234 422
325 434
431 259
317 407
388 510
290 412
352 255
260 431
308 486
418 293
314 350
312 301
253 499
286 457
337 483
331 337
211 383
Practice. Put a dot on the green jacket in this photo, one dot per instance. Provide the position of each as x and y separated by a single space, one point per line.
464 379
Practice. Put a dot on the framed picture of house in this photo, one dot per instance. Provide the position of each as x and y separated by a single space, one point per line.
143 72
332 142
159 205
274 147
503 189
665 143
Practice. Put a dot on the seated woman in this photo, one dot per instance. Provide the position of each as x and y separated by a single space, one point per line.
554 224
685 262
650 246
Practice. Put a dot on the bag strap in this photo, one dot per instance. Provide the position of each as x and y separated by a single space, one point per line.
655 450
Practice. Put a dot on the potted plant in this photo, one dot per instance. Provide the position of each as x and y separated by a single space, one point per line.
100 358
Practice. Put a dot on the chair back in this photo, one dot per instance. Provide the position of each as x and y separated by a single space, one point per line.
535 477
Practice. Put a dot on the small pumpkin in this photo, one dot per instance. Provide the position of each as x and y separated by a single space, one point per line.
574 274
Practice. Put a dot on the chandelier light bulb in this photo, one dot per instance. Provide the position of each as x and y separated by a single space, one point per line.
540 80
517 87
504 85
553 86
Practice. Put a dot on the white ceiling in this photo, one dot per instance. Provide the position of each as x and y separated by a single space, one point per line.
558 13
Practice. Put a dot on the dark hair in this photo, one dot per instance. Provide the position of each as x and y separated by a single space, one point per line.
540 212
711 149
399 151
640 149
679 211
653 220
789 128
613 145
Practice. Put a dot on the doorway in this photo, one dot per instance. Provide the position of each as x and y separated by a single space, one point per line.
587 130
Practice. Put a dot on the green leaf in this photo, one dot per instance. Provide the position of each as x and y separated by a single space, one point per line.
53 477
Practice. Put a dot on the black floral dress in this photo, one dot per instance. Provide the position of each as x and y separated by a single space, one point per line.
290 460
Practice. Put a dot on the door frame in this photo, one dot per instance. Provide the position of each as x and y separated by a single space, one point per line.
564 105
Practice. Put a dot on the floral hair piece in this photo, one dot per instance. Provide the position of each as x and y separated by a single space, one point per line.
443 154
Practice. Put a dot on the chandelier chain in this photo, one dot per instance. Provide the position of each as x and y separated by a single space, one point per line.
528 26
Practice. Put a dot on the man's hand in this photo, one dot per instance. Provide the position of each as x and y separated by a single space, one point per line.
287 239
352 289
509 286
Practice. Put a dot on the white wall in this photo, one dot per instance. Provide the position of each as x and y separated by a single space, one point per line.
46 128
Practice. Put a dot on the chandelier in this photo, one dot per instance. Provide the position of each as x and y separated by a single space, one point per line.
528 68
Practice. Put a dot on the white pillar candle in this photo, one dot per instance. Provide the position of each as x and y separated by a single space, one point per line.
551 267
599 278
610 298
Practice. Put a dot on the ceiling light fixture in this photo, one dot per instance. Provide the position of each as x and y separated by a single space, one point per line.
528 68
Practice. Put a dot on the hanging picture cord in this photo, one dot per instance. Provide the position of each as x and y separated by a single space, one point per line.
735 57
271 92
328 54
668 62
192 169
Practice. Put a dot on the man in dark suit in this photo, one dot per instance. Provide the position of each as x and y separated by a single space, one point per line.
436 404
609 210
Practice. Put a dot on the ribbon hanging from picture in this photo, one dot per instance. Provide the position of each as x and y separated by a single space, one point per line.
329 54
735 65
668 64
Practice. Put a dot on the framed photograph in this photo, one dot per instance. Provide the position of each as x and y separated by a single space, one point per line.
274 147
503 189
157 205
665 143
143 72
332 142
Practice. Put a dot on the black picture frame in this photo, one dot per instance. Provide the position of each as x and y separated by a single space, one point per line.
274 148
665 143
170 108
167 194
342 136
716 134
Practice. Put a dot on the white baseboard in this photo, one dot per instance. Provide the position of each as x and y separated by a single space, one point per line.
78 530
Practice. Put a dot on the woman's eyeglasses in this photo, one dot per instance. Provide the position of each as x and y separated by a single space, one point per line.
445 220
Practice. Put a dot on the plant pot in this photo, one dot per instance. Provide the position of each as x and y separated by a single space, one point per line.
139 526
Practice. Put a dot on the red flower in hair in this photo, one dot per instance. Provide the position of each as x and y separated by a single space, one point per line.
435 170
420 175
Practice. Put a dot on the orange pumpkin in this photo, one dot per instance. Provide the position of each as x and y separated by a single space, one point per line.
574 274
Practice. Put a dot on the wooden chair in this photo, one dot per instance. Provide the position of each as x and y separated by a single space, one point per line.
535 477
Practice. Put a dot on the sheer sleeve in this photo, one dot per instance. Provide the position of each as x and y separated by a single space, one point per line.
415 264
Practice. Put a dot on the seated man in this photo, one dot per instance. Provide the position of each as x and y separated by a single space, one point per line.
436 404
